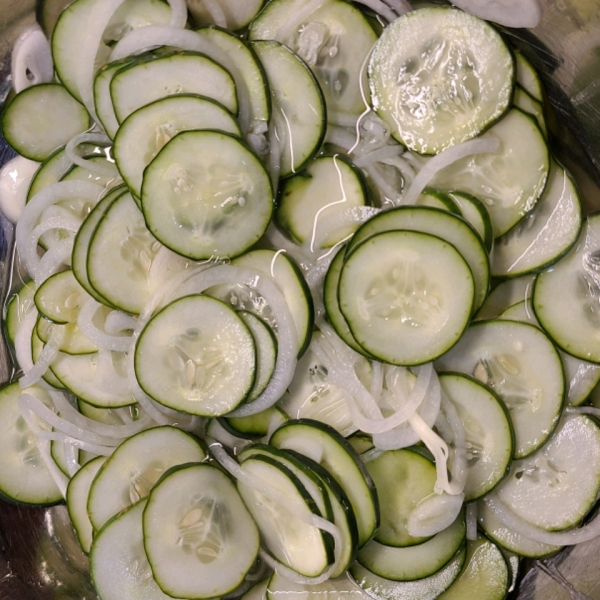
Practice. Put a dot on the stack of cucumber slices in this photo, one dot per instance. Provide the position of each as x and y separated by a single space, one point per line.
303 302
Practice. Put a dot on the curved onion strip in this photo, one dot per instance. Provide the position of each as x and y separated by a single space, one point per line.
23 340
59 477
63 190
460 468
31 403
278 240
72 442
214 10
471 519
556 538
296 511
46 357
404 167
151 36
401 7
31 60
57 256
85 322
434 514
70 224
386 190
510 13
71 459
179 13
339 136
583 410
378 154
92 138
117 321
380 8
275 153
444 159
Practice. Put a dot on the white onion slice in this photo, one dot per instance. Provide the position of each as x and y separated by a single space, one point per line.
95 167
59 477
46 357
378 154
85 322
444 159
510 13
388 193
401 7
71 459
380 8
57 256
23 340
215 12
31 61
72 442
460 467
434 514
471 518
179 13
15 179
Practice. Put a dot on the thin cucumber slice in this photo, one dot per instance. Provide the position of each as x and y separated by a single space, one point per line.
118 563
58 455
506 294
74 342
509 539
202 186
59 298
255 426
553 489
197 356
523 367
485 575
236 15
436 199
110 416
24 477
258 591
224 436
429 588
439 77
29 131
284 529
144 132
510 182
545 234
139 84
414 306
330 185
476 214
565 296
413 481
415 562
440 223
78 493
135 466
18 307
120 254
47 13
199 537
488 432
328 448
528 78
299 111
334 40
342 587
528 104
361 443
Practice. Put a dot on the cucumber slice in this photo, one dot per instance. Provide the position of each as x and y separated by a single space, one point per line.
506 294
29 131
528 104
255 426
522 366
110 416
135 466
24 477
565 296
139 84
528 78
58 455
439 200
476 214
413 481
237 15
202 186
144 133
544 234
197 356
59 298
328 448
342 587
439 77
510 182
488 431
417 561
258 591
108 181
17 308
298 105
74 342
552 488
199 537
284 529
415 305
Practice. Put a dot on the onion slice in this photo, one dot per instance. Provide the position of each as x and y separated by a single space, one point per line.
510 13
434 514
31 61
90 165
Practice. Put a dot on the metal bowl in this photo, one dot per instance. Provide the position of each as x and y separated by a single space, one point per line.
40 558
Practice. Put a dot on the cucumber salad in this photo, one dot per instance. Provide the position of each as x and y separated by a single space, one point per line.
302 301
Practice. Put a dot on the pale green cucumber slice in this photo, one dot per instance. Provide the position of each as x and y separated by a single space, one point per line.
523 367
29 130
78 493
120 254
278 587
17 308
553 489
258 591
328 448
508 182
236 15
206 195
407 296
144 132
528 104
485 575
197 356
118 563
565 296
379 588
528 78
476 214
361 442
110 416
440 223
509 539
139 84
58 455
73 342
24 477
199 537
328 186
334 40
60 297
135 466
224 436
284 528
439 77
417 561
413 481
255 426
545 234
506 294
299 112
436 199
488 432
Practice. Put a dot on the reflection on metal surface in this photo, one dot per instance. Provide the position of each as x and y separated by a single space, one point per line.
40 558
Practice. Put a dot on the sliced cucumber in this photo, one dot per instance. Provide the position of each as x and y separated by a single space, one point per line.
236 15
476 214
528 104
60 297
437 199
73 342
528 78
506 294
258 591
342 587
18 307
255 426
